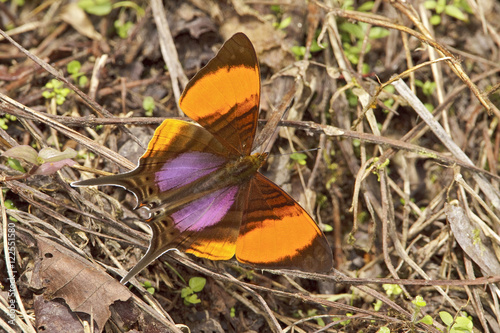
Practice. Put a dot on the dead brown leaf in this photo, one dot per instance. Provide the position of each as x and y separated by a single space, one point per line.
86 289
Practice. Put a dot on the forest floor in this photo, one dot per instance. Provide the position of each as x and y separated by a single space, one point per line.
395 119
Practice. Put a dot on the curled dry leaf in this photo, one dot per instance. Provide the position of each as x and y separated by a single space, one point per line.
62 274
77 18
472 240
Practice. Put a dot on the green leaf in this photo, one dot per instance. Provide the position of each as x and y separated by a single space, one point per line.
327 228
186 291
96 7
430 4
464 324
441 5
15 164
64 92
54 84
435 20
320 322
315 47
446 318
299 157
390 88
123 29
192 299
392 289
9 204
419 302
366 7
377 305
148 104
60 99
276 9
197 283
353 29
3 123
426 320
348 4
48 94
74 67
378 32
384 329
82 81
299 51
455 12
285 23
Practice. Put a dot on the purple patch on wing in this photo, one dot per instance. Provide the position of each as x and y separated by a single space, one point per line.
186 168
205 211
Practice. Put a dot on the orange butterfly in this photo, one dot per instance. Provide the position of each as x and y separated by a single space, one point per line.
203 187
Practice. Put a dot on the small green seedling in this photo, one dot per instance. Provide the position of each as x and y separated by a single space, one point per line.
455 10
56 90
319 320
9 204
74 68
377 305
460 324
299 158
4 121
123 28
392 290
149 287
148 104
283 24
300 51
196 284
427 87
419 303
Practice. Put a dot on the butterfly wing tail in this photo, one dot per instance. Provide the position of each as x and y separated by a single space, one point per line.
106 180
163 233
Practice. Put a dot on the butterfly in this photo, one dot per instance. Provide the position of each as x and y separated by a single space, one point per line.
201 182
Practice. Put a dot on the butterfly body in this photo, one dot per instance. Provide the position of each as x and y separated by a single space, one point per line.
203 187
232 173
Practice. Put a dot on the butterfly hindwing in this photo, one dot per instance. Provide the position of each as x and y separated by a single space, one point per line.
224 95
276 232
204 227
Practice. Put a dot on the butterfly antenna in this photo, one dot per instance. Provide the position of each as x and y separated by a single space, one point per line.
272 124
301 151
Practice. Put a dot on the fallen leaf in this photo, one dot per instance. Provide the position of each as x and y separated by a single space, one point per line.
472 240
63 274
77 18
55 316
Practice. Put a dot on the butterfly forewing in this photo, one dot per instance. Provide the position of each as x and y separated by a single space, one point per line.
178 154
224 95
